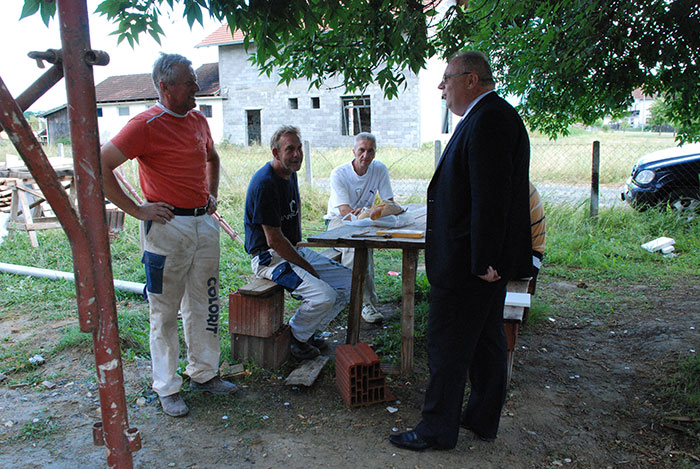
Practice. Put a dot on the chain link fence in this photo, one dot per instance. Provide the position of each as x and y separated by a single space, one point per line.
561 170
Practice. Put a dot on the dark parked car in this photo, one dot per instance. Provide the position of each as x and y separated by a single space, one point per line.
670 176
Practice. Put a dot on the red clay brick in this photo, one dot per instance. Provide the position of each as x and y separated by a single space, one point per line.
358 375
268 352
258 316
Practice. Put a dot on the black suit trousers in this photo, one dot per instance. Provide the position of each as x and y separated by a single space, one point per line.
465 339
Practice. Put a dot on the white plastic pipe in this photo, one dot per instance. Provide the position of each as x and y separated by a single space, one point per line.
133 287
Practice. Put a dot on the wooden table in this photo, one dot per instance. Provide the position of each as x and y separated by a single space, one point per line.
29 210
342 237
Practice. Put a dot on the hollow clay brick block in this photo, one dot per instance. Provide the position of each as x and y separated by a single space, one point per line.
258 316
358 375
267 352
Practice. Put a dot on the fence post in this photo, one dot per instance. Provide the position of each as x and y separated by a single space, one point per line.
438 151
595 179
307 159
60 150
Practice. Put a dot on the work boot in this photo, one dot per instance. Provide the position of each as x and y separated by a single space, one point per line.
317 341
370 314
173 405
215 385
303 350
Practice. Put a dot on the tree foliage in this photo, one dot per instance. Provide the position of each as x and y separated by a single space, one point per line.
569 60
659 114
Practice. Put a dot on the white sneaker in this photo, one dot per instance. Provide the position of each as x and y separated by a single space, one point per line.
370 314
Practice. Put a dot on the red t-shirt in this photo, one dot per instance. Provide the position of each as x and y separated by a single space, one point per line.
172 153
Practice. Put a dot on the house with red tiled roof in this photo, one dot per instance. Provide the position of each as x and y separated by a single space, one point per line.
640 111
119 98
329 116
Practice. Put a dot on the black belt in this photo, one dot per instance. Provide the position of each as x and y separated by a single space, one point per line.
190 212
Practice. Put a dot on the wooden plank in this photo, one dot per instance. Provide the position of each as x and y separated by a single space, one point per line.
307 372
402 233
408 291
514 313
43 224
359 270
518 286
259 287
332 254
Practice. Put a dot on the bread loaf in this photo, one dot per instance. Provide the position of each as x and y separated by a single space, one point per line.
383 209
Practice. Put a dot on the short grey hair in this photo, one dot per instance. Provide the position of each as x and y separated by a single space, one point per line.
163 69
475 61
364 136
284 130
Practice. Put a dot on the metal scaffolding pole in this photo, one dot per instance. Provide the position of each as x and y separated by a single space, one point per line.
87 232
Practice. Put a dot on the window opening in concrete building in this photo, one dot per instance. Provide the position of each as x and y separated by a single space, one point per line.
123 110
253 120
293 103
356 115
315 103
205 109
99 112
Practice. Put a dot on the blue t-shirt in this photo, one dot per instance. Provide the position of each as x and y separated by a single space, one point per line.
272 201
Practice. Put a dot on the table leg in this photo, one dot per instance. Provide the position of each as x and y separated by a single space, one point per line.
359 270
20 194
408 290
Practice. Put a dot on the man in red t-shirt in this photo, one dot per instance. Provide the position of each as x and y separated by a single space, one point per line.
179 178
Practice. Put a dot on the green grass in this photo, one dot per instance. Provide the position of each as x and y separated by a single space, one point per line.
41 427
682 397
608 247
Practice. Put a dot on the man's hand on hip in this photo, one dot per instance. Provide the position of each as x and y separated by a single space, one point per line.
212 205
490 276
160 212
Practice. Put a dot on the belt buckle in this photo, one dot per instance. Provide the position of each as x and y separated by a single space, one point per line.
199 211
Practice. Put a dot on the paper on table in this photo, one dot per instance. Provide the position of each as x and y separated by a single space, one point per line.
389 221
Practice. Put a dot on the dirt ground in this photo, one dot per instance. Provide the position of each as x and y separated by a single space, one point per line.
586 392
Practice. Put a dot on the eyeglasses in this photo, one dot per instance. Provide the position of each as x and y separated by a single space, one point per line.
453 75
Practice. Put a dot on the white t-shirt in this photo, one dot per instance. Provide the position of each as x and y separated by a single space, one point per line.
347 188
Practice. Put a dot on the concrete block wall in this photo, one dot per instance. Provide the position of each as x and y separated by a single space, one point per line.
395 122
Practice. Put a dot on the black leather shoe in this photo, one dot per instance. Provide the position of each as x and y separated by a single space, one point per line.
481 437
410 440
318 342
303 350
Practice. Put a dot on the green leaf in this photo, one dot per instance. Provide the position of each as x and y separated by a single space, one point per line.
154 35
30 7
47 11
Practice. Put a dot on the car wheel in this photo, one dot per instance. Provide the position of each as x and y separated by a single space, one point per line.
685 203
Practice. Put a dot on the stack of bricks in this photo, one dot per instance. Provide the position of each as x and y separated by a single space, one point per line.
256 312
358 376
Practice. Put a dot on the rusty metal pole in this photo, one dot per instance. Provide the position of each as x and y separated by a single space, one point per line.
82 114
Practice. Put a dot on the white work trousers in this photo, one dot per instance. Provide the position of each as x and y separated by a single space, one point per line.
322 299
369 292
181 258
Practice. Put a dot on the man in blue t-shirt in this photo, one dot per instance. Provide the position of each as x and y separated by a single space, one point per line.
272 231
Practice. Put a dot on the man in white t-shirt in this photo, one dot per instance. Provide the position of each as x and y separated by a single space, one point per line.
354 186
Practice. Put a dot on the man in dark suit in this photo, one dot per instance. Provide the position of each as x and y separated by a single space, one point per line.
478 237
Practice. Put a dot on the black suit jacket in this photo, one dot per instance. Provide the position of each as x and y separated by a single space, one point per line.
478 212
